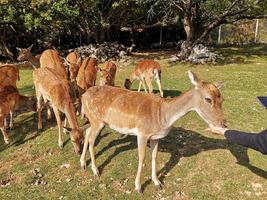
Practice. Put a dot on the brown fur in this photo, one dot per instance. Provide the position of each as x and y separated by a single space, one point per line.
144 72
50 86
51 59
147 116
86 77
11 100
26 55
107 75
75 62
9 75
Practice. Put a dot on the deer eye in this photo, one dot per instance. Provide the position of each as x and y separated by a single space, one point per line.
208 100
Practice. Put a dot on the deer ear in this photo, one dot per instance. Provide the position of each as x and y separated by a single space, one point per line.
30 47
219 84
193 78
68 130
66 62
19 49
79 61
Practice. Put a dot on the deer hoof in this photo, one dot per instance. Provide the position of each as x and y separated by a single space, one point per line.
6 140
158 187
139 190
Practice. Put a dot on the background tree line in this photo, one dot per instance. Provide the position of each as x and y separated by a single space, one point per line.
52 22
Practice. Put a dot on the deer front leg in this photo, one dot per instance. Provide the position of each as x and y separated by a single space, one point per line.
141 141
154 147
65 125
57 115
85 146
5 135
95 130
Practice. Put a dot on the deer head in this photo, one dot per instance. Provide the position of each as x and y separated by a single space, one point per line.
76 138
207 101
73 68
24 53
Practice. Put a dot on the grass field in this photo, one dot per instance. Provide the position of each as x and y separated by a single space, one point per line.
192 163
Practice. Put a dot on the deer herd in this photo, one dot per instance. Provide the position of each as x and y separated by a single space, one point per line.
68 87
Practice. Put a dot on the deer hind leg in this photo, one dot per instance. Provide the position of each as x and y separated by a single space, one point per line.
140 84
49 113
154 147
149 84
141 141
143 83
57 115
158 81
5 135
11 125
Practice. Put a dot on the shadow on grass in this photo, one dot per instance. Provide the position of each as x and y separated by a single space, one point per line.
240 54
180 143
25 129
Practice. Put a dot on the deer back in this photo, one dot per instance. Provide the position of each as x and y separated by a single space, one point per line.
51 59
87 73
52 86
9 75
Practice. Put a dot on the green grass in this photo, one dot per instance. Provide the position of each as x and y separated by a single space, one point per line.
192 163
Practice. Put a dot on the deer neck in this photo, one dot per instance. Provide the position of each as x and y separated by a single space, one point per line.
70 114
34 61
177 107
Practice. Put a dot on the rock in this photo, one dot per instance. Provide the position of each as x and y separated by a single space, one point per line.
105 51
198 55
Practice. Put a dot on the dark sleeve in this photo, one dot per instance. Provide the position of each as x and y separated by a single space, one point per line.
251 140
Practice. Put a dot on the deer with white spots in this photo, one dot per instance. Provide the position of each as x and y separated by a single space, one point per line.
144 72
147 116
26 55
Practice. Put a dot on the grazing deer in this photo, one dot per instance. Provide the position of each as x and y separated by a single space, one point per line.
26 55
11 100
51 59
9 75
147 116
107 75
144 72
50 86
73 60
87 74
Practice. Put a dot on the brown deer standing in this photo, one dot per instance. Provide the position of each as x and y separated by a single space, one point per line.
144 72
51 59
9 75
11 100
26 55
50 86
107 75
87 74
147 116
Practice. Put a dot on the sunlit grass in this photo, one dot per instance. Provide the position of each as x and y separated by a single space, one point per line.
192 163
